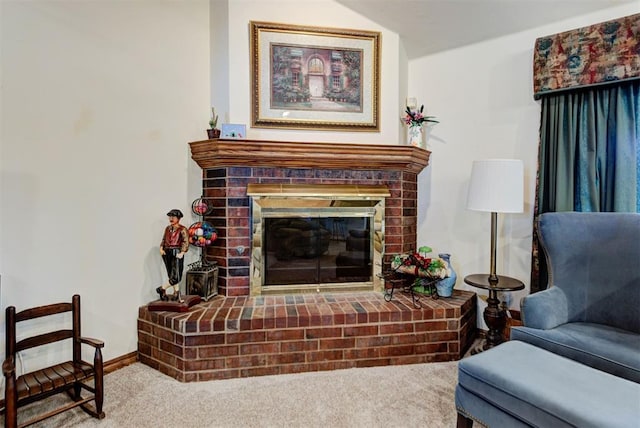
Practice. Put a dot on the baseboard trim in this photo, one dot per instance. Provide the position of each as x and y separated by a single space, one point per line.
120 362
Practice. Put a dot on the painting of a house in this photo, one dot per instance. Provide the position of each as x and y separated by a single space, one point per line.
315 78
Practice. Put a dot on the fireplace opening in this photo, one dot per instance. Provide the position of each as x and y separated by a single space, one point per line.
316 238
316 250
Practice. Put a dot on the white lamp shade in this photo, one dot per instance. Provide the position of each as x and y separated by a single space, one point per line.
497 185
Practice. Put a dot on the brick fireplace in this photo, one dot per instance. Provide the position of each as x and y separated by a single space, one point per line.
237 334
230 165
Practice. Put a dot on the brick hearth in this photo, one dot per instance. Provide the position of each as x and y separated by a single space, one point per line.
230 337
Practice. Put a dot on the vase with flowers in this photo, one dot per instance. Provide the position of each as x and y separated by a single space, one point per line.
414 119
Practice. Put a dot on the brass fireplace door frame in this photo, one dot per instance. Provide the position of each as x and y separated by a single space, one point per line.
318 200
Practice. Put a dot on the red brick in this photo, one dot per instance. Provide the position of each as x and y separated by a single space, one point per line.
289 334
318 356
373 362
260 371
316 333
205 339
396 328
371 342
218 375
365 330
337 343
335 365
442 336
303 345
299 368
246 361
361 353
408 359
290 358
432 326
432 348
248 337
403 339
202 365
392 351
260 348
218 351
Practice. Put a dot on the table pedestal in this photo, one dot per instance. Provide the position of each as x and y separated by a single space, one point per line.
494 316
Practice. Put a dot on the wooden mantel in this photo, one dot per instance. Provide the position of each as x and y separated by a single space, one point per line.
285 154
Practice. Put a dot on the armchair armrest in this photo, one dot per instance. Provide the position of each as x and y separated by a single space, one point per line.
545 310
92 342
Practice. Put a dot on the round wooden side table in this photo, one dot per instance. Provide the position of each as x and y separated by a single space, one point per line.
493 315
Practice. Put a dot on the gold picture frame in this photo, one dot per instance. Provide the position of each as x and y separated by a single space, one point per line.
314 78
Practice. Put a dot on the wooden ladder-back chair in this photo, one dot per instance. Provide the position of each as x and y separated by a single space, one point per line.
70 376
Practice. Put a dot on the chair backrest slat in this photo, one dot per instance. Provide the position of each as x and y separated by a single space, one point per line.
43 311
43 339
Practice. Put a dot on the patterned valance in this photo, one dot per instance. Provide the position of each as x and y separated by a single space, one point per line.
600 53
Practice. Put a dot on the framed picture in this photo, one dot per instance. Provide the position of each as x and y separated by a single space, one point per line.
314 78
233 130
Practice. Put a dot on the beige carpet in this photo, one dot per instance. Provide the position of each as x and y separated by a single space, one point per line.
418 395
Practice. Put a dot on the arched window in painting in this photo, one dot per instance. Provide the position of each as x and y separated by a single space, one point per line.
316 65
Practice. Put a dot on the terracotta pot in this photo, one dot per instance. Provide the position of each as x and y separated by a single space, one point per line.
213 133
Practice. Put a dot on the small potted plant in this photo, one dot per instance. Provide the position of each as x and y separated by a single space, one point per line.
213 132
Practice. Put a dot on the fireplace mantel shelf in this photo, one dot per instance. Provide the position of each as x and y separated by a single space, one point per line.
285 154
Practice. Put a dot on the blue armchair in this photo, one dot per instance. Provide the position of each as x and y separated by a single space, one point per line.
591 311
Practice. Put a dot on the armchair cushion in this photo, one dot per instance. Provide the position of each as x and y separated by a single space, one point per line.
606 348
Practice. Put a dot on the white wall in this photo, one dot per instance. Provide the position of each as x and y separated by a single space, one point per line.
98 102
220 36
319 13
483 96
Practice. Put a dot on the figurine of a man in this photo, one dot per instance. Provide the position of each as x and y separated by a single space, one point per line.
174 244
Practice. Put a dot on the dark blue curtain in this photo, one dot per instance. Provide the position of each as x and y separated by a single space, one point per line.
589 155
590 150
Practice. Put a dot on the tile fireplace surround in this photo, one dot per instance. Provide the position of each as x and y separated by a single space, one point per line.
237 335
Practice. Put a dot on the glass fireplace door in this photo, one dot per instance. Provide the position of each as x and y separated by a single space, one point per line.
317 250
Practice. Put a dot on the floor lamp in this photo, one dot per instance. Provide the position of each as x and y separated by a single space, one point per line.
496 186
